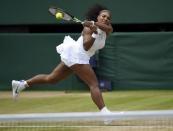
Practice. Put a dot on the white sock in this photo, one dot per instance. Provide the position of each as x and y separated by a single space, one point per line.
26 84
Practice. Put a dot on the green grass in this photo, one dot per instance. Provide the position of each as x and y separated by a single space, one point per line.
47 102
34 102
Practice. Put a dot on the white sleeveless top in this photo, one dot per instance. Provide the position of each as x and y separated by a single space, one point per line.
73 51
99 42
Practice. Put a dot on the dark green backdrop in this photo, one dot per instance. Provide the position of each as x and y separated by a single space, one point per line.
123 11
129 60
138 60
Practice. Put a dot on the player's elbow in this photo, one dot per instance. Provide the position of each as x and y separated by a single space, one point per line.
87 45
109 31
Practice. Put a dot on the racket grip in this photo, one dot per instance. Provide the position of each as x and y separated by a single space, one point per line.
92 22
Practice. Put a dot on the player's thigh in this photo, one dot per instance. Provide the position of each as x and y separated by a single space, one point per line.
86 73
60 72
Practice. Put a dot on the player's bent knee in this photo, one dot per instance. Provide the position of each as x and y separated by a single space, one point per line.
50 79
94 86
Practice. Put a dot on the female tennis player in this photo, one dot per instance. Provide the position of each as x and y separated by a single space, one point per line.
75 56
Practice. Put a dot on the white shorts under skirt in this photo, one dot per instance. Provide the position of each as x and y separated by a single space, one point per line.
71 52
67 62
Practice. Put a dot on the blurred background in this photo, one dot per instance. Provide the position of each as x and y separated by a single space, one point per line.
138 54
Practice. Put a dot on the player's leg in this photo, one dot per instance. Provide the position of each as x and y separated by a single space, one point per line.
86 73
59 73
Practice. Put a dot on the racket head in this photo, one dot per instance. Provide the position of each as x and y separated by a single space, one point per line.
66 16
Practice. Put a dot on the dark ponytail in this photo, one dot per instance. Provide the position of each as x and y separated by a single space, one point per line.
94 11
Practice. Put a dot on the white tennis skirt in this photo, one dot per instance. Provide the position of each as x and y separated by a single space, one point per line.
72 52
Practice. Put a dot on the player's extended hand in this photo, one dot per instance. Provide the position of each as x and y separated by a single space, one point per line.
93 28
91 25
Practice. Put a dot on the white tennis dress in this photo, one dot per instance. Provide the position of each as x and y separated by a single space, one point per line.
72 52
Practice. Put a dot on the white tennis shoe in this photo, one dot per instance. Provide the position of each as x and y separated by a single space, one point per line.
17 87
106 112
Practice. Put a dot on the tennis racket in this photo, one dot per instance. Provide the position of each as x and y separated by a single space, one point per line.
66 16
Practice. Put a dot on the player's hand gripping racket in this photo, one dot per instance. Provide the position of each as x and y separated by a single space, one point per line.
65 15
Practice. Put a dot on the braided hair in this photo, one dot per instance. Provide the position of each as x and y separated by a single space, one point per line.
94 11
